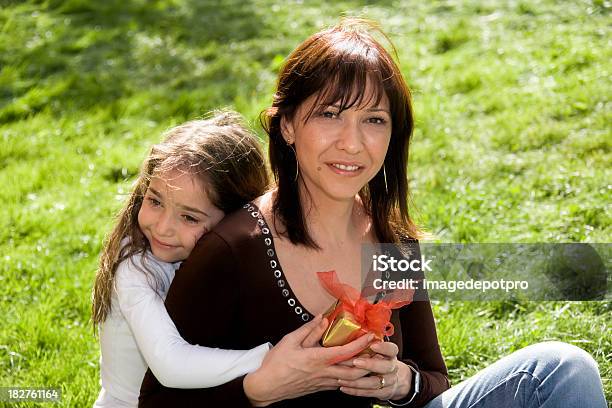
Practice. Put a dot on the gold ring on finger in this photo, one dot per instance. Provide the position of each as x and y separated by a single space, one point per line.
382 382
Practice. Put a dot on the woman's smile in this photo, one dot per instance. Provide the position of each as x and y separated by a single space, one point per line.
346 169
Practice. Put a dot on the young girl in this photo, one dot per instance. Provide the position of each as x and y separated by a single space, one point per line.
203 170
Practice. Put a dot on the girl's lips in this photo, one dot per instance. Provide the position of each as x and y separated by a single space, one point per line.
160 243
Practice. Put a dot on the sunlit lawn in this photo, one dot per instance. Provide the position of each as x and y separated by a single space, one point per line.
512 145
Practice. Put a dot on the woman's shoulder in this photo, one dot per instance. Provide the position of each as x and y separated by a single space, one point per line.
240 227
237 223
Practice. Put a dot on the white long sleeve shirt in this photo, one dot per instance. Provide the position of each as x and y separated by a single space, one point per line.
138 333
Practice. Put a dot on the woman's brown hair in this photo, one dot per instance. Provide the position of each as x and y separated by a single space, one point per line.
335 65
220 152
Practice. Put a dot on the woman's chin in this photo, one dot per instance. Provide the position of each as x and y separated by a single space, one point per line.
341 190
347 195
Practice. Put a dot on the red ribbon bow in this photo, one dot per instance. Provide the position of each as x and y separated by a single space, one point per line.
371 317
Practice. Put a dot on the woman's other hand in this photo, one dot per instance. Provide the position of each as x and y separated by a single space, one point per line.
383 365
298 366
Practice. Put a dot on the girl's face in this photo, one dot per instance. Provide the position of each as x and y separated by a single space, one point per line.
175 213
339 153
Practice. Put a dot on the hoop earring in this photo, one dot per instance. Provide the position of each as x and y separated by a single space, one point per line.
385 176
297 164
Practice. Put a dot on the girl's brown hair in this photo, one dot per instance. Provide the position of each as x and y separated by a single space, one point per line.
335 65
224 157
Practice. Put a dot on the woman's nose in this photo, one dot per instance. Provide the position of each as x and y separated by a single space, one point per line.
351 137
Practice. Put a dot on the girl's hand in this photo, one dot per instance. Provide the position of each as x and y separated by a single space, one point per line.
383 365
298 366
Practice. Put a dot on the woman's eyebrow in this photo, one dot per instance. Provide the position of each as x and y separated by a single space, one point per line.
328 105
372 109
377 110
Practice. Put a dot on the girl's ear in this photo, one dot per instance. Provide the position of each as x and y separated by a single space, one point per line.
287 130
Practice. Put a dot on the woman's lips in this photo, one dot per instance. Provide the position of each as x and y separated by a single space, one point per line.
345 169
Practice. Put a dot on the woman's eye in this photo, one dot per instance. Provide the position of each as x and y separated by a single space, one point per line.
329 114
191 220
377 121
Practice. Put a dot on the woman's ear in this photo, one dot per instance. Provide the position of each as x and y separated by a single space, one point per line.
287 130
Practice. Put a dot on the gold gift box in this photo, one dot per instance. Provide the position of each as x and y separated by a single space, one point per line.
339 331
343 329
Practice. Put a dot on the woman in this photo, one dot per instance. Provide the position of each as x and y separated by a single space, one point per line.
339 130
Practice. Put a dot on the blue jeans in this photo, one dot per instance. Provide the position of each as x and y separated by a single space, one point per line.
544 375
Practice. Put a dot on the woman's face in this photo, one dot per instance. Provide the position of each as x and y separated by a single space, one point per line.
339 153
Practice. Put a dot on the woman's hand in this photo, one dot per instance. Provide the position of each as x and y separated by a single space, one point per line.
298 366
383 365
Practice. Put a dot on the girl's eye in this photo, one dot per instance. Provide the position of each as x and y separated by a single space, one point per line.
154 201
191 220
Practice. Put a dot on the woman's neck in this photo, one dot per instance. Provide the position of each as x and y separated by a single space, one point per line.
331 222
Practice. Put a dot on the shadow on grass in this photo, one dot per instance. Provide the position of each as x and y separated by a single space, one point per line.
82 54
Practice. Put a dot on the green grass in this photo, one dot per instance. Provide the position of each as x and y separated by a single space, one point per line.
512 144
